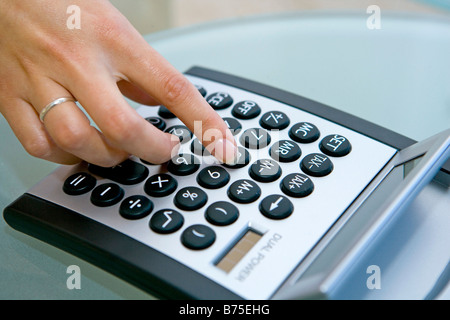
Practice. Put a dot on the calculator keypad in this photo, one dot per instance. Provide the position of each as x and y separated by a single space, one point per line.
192 198
295 175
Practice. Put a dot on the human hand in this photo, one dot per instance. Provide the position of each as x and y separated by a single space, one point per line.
42 60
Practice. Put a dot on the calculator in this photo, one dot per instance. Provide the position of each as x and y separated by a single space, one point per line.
311 187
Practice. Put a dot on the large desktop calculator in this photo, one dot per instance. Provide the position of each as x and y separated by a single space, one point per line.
310 187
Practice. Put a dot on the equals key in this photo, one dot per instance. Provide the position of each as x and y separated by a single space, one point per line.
79 183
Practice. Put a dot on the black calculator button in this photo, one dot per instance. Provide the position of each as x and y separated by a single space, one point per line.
274 120
190 198
160 185
107 194
182 132
297 185
244 191
335 145
183 164
135 207
246 110
128 172
234 125
219 100
213 177
265 170
255 138
285 151
316 165
165 113
79 183
166 221
198 237
243 159
276 207
304 132
201 90
157 122
198 148
222 213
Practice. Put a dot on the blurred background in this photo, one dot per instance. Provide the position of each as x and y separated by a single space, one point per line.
149 16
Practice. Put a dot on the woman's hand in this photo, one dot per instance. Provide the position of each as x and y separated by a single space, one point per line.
42 59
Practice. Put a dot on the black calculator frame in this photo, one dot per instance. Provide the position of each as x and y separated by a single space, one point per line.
139 264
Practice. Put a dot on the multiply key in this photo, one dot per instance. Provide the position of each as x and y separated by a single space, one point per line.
160 185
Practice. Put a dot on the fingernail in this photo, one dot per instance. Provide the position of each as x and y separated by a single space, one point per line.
225 151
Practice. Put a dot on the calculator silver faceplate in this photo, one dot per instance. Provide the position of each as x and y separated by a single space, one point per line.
284 242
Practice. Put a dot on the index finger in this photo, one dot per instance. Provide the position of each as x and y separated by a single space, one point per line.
164 83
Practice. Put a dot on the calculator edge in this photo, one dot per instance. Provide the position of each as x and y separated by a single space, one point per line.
120 255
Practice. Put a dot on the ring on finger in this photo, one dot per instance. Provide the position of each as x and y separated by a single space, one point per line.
52 104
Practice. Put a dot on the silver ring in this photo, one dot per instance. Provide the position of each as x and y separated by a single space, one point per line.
51 105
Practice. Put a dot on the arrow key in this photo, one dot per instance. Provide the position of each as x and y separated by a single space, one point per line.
276 207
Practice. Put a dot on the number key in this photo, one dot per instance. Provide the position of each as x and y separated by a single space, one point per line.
213 177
